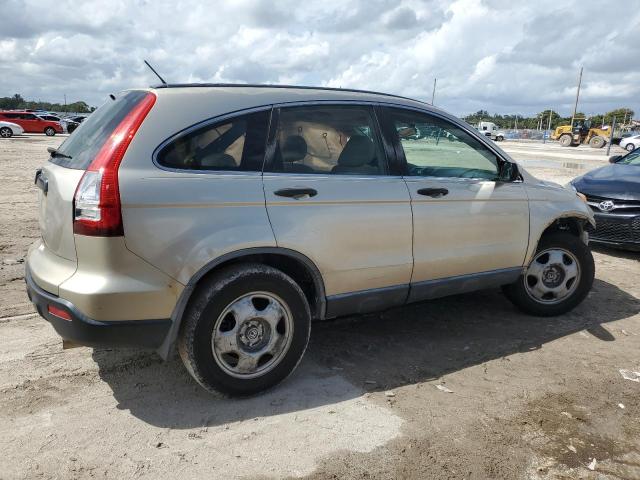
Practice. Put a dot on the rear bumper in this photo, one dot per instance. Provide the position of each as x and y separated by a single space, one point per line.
83 330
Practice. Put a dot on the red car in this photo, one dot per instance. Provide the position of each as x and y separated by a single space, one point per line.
30 122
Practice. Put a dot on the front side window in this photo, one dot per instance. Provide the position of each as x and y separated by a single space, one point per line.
328 139
235 144
434 147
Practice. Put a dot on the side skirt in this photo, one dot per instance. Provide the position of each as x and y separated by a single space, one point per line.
462 284
366 301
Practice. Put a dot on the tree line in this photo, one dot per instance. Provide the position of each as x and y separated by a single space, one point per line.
16 102
541 120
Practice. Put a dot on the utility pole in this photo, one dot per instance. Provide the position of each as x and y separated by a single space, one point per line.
575 107
613 126
544 135
65 103
433 94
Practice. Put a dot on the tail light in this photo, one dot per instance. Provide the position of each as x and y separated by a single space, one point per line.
96 203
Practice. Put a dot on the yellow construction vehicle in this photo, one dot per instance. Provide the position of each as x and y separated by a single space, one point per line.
581 132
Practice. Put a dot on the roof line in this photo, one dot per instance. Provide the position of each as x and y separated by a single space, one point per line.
301 87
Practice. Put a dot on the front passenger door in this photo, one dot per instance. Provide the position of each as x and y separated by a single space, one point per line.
466 220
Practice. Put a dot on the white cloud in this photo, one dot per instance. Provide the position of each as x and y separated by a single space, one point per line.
496 55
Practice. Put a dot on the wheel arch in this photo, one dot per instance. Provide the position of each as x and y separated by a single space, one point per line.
298 266
574 223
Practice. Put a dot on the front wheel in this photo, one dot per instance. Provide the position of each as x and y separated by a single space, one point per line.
49 131
630 147
565 140
597 142
558 279
6 132
245 331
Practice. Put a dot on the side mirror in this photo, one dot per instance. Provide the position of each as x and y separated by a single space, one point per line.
509 172
615 158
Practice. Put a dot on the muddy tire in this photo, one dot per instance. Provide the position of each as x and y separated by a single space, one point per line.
245 330
557 280
597 142
49 131
565 140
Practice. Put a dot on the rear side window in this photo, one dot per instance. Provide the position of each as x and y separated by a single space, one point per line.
88 138
235 144
328 139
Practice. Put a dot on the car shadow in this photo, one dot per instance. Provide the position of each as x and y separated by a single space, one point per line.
349 356
616 252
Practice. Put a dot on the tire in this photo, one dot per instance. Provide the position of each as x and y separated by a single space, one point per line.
6 132
221 322
49 131
521 293
500 138
630 147
597 142
565 140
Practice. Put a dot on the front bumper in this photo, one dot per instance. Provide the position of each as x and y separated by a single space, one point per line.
83 330
615 230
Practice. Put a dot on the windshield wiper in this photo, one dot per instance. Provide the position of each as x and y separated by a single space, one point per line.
56 153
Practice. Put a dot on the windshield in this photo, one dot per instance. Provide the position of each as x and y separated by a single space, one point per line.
632 158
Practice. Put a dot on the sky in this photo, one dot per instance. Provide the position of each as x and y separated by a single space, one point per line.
503 56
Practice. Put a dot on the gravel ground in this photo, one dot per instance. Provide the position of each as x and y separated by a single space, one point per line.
462 387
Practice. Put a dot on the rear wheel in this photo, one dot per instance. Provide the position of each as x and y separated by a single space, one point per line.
6 132
49 131
246 330
565 140
630 147
499 138
597 142
559 277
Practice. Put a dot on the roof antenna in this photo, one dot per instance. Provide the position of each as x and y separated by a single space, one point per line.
157 74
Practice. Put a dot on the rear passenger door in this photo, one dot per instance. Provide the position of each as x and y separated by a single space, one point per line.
31 123
332 196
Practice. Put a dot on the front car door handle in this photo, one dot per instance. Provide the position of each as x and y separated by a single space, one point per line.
41 182
297 193
433 192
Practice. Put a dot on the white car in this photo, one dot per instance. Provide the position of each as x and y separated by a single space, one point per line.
630 143
9 129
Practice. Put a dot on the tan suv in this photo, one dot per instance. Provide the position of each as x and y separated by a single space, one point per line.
224 218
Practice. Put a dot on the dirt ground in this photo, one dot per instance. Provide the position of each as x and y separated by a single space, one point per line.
462 387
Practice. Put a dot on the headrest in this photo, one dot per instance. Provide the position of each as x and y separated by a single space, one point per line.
357 152
294 149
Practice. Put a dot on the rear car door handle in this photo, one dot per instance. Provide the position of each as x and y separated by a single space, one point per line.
433 192
297 193
41 182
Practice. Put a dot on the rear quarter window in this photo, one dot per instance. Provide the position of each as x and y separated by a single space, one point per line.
235 144
88 138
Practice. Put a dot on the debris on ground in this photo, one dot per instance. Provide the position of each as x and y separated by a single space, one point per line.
442 388
592 465
630 375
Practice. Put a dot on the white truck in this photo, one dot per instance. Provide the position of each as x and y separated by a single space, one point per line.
490 129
